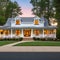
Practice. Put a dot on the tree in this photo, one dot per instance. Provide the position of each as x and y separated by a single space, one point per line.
39 7
13 10
43 8
16 9
8 9
3 4
57 6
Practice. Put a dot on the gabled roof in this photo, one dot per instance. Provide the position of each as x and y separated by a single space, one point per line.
8 23
27 20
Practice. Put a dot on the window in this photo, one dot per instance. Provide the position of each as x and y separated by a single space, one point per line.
1 31
48 31
36 22
36 32
18 32
54 31
18 22
27 32
6 32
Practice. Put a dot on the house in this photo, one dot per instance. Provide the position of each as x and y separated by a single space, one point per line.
27 27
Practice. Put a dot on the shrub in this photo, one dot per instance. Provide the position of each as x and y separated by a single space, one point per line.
36 39
11 39
58 33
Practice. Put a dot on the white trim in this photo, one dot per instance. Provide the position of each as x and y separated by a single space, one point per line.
31 32
49 35
43 33
22 33
17 19
38 21
36 18
11 33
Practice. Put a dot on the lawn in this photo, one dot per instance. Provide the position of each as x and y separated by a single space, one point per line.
6 42
40 43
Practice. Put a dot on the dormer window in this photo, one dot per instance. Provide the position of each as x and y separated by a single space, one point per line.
36 22
18 22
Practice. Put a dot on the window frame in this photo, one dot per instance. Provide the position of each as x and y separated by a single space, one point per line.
18 32
7 32
35 32
19 22
38 22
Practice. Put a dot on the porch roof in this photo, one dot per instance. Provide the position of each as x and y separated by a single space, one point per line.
47 27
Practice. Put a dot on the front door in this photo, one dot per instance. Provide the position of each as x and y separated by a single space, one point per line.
27 32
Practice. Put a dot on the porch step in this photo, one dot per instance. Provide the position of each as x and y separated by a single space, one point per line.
27 39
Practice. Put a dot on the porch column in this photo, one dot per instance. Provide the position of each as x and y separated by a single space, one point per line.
55 33
22 33
11 33
31 32
4 34
43 33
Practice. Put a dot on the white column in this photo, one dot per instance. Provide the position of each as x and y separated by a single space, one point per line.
43 33
4 34
55 33
22 33
31 32
11 33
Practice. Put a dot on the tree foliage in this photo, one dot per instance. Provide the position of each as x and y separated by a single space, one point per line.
8 9
43 8
57 6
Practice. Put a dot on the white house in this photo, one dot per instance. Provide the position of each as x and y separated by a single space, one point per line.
27 27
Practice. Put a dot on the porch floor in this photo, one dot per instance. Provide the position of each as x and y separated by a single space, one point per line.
28 39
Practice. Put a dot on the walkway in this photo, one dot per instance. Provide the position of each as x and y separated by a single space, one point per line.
11 45
11 48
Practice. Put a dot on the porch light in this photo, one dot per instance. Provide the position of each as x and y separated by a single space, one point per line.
53 22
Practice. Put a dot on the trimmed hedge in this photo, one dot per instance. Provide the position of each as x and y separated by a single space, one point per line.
45 39
11 39
58 33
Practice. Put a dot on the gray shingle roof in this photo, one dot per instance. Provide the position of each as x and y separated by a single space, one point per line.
26 20
8 23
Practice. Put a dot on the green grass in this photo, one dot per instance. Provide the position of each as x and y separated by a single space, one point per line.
40 43
6 42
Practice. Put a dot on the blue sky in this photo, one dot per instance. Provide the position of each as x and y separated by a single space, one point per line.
26 7
24 3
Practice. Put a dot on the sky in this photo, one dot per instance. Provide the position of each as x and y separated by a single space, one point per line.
26 7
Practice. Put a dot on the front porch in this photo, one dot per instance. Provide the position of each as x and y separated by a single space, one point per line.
27 33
